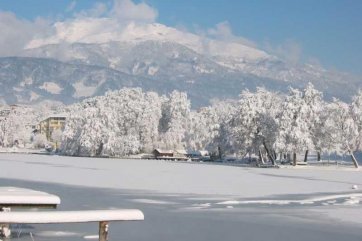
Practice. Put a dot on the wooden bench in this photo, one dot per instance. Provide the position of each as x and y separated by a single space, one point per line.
53 217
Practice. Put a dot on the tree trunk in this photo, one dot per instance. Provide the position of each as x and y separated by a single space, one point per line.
219 152
355 163
294 159
319 156
270 156
78 151
274 154
99 149
306 156
261 159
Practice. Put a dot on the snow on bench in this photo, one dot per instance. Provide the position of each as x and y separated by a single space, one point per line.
52 217
14 196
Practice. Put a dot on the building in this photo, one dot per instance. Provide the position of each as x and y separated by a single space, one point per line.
162 153
169 155
50 124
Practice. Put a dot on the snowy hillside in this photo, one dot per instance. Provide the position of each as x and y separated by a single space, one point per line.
72 65
27 80
32 80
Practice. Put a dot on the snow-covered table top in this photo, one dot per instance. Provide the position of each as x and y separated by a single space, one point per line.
14 196
83 216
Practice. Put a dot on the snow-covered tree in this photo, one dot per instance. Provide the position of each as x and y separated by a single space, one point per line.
16 125
357 116
298 119
174 121
344 128
323 136
204 130
313 110
254 124
120 123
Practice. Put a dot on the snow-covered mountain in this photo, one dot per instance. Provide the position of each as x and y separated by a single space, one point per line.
25 80
72 65
105 30
31 80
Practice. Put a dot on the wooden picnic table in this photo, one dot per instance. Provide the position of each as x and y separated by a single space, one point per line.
27 198
15 197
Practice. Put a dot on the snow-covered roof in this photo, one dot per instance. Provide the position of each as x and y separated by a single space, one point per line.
55 116
58 115
164 151
23 196
181 151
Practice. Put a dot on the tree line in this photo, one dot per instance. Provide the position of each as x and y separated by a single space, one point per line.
131 121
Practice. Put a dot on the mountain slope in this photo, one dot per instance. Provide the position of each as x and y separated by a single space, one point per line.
72 65
24 80
31 80
170 61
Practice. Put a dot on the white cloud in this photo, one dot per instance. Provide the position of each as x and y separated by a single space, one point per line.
290 51
16 33
99 24
126 10
223 31
98 10
123 21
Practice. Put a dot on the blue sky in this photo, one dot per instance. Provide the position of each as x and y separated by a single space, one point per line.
328 31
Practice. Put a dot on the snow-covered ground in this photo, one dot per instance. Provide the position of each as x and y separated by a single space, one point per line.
176 177
194 201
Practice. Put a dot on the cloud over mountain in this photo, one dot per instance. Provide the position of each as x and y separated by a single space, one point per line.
17 33
123 21
109 47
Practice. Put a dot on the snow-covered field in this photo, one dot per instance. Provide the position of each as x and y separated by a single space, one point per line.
193 201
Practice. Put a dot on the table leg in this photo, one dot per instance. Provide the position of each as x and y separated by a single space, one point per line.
103 231
4 227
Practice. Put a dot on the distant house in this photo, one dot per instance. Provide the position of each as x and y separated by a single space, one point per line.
50 124
168 155
159 153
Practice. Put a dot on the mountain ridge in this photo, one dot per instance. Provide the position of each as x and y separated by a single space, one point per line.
71 71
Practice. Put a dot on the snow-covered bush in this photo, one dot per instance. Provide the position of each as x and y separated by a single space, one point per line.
39 141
